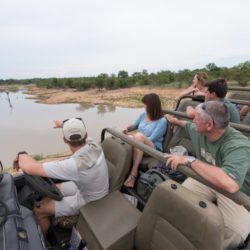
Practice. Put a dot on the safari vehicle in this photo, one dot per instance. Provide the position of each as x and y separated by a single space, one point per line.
172 218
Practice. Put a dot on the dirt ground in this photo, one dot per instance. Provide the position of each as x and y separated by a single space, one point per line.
128 97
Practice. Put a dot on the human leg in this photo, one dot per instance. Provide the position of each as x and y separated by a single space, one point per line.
137 157
43 212
199 188
236 222
244 110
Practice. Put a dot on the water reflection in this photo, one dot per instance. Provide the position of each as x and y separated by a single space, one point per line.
101 108
84 106
29 125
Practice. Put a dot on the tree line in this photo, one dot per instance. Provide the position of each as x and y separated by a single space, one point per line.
240 74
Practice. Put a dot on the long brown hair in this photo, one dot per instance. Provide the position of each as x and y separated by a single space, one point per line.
153 106
201 77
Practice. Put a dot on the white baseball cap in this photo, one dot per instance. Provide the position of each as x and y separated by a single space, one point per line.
74 129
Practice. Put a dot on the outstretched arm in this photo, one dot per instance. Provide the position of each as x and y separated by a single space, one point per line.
213 174
30 166
176 121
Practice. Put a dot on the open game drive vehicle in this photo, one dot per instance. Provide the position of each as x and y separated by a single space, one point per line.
172 218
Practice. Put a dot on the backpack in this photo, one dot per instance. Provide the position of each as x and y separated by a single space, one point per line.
166 170
148 181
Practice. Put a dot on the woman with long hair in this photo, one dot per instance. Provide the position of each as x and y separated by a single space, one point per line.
151 127
198 86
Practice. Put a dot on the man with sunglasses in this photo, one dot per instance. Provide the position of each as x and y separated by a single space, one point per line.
85 173
223 159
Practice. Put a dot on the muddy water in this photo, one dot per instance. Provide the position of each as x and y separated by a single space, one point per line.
27 125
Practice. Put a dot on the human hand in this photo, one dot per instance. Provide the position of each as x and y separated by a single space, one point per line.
190 112
25 161
15 164
58 124
175 160
125 131
173 120
16 160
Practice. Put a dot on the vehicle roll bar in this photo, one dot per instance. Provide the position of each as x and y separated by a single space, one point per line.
192 97
238 88
238 126
238 101
238 197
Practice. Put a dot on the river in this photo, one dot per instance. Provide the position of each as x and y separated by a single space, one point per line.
28 125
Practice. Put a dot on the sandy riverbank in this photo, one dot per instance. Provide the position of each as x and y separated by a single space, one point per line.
128 97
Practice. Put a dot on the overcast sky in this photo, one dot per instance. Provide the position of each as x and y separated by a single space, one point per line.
59 38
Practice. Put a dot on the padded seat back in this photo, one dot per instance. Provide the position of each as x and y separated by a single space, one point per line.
240 95
118 156
109 223
176 218
180 137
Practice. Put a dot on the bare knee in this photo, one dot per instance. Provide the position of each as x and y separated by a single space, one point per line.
46 208
139 137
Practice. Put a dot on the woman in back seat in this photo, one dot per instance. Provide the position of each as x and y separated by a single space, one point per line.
198 86
151 127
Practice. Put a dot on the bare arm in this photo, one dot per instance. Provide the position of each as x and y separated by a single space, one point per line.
176 121
212 174
190 90
128 129
216 176
31 166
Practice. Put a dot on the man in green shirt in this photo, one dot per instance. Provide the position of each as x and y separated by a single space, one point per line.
223 159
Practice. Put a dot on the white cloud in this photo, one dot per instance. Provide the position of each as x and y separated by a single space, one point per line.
74 38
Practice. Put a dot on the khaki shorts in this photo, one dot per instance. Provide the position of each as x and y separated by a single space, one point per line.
236 217
71 202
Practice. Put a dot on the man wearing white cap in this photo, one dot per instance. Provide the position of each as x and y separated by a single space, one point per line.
85 171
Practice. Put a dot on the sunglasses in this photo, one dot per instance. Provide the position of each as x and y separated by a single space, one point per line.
78 118
204 107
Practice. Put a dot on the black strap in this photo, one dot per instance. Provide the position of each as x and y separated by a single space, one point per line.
1 166
3 213
1 177
162 176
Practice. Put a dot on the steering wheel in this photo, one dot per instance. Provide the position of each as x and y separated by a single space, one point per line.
44 186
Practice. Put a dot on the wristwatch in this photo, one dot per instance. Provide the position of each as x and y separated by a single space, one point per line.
190 160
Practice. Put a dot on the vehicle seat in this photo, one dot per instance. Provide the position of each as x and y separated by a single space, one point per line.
109 223
179 135
118 156
176 218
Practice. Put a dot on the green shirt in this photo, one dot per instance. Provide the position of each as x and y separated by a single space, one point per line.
231 152
234 114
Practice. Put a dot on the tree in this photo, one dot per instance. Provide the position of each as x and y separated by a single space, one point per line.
101 80
212 67
122 74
